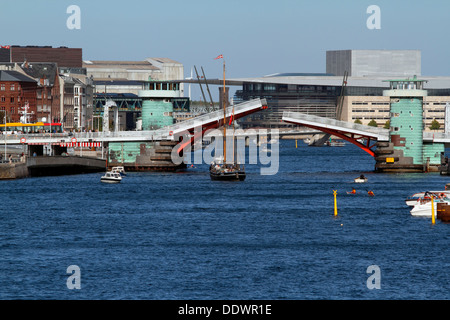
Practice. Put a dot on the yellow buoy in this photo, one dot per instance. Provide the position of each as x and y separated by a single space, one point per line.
433 219
335 202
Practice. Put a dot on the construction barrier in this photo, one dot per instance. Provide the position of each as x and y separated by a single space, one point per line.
69 144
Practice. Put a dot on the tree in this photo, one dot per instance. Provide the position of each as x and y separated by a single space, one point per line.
358 121
435 125
373 123
387 125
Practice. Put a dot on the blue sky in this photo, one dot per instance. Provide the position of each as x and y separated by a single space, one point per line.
256 37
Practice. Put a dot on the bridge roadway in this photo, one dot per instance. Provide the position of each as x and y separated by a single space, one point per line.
202 123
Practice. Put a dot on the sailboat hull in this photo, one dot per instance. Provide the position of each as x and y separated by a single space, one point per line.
228 176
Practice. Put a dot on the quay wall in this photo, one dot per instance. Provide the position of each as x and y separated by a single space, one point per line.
9 171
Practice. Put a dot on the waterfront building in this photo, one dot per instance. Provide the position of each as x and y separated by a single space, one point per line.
129 76
122 81
77 104
62 56
47 78
64 92
318 93
374 63
17 94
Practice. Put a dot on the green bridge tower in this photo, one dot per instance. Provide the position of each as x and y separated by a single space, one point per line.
406 150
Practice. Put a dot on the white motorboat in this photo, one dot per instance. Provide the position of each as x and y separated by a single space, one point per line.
111 177
361 179
119 169
422 207
412 200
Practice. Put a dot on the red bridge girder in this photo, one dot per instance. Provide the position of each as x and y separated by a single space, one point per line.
213 125
353 138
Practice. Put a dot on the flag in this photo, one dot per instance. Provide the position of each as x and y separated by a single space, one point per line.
219 57
231 120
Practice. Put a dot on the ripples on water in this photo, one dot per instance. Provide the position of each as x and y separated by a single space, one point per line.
182 236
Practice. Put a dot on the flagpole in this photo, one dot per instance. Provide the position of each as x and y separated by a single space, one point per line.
224 118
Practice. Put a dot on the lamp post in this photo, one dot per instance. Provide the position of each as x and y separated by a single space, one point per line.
5 132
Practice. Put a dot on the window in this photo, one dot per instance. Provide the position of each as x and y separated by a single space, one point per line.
13 87
12 99
2 87
3 99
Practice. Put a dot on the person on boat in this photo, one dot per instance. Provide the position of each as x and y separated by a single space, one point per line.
370 193
353 191
362 176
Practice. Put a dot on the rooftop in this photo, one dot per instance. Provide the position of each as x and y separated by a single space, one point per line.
141 65
147 64
14 76
432 82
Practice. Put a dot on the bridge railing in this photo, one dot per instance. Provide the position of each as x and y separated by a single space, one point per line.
337 123
431 136
159 134
215 115
18 136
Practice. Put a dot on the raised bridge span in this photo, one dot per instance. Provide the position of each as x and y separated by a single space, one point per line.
201 123
351 132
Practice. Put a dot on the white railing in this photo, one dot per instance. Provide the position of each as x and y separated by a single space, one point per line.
213 116
165 133
325 122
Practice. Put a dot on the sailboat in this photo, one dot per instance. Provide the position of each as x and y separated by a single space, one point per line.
220 169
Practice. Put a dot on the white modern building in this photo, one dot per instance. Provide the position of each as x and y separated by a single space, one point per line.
374 63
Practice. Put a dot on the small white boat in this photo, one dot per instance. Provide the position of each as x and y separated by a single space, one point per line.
111 177
361 179
422 207
412 200
119 169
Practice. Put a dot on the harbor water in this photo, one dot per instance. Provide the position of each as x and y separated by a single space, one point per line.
165 236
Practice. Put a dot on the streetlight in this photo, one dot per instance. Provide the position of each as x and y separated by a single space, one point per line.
5 132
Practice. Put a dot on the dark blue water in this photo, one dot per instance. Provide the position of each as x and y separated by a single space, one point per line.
182 236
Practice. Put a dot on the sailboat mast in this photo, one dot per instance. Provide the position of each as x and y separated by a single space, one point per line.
224 118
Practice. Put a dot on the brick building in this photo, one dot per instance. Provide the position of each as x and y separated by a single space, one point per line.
63 90
47 91
17 91
63 56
